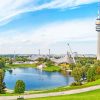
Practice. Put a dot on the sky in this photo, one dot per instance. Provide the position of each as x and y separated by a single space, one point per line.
29 25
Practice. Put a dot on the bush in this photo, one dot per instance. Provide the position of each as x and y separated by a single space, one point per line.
91 74
2 64
98 70
2 83
77 74
72 66
19 87
76 84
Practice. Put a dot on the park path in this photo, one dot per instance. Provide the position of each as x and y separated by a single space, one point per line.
52 94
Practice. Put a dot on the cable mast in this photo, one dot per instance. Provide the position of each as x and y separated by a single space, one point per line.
71 53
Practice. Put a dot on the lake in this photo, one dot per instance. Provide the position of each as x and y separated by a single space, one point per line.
36 79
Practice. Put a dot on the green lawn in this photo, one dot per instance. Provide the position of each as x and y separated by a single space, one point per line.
65 88
20 65
49 69
52 69
92 95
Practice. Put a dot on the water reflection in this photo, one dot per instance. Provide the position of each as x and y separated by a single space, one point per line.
10 71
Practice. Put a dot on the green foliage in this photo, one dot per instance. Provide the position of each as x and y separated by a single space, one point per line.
78 65
76 84
21 58
91 73
41 60
96 63
49 63
21 65
85 60
19 87
84 72
97 77
52 68
72 66
98 70
2 63
2 84
77 74
11 61
45 60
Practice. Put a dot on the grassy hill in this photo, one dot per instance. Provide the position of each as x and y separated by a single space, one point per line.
92 95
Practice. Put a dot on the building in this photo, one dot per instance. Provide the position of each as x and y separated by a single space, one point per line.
66 59
98 30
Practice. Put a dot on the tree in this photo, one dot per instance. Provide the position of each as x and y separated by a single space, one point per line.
10 61
2 84
2 63
98 70
49 63
84 71
96 63
77 74
91 73
19 87
21 58
72 66
78 65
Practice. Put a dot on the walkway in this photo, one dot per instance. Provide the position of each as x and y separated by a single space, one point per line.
51 94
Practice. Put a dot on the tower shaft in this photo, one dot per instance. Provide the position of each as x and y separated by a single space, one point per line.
98 47
98 31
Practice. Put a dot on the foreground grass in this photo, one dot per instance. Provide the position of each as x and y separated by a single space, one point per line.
92 95
65 88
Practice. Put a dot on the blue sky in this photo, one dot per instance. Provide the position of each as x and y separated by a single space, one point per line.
29 25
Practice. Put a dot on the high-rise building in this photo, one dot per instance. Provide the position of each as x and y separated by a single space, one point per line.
98 30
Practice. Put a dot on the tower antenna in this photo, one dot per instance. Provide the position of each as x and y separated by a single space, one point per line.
98 9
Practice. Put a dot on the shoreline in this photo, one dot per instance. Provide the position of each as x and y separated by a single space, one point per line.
47 69
59 89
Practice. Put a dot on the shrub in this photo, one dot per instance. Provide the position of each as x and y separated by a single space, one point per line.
76 84
2 63
77 74
91 73
98 70
97 77
19 87
72 66
2 84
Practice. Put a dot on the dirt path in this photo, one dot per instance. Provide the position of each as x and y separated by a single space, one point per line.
51 94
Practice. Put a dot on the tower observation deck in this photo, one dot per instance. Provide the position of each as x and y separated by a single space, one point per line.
98 30
98 24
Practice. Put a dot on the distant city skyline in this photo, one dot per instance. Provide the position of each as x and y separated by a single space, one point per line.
29 25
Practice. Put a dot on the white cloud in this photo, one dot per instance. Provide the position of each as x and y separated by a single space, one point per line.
77 30
11 8
48 35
